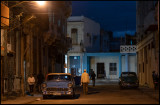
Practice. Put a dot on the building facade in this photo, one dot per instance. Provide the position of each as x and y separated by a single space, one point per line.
36 42
101 53
81 30
147 47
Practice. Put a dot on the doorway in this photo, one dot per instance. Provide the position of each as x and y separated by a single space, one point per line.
100 70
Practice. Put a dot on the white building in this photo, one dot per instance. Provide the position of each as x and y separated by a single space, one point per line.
80 29
106 65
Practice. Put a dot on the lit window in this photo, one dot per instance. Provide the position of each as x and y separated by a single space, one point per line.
113 68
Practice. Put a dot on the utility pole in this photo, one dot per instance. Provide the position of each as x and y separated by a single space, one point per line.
22 62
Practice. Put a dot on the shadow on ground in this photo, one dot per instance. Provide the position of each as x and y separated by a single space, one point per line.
63 97
93 92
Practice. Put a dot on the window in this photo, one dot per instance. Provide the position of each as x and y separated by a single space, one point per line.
59 23
113 69
89 36
74 35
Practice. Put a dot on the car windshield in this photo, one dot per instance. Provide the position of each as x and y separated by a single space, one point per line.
59 77
129 77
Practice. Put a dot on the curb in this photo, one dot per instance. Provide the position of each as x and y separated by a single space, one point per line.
30 100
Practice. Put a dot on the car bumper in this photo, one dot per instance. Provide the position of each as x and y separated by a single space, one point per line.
130 85
59 93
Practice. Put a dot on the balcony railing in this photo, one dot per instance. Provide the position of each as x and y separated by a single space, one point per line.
128 49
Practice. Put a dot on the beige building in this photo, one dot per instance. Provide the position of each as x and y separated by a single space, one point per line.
147 46
34 42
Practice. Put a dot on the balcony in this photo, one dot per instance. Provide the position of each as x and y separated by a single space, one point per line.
128 49
69 42
76 49
51 36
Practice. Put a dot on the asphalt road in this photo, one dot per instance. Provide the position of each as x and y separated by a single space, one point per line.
106 94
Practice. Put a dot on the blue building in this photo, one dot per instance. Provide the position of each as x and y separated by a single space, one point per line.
99 51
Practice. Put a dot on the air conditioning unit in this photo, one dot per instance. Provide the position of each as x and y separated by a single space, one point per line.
8 48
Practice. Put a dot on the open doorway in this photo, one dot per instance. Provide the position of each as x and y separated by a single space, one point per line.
100 70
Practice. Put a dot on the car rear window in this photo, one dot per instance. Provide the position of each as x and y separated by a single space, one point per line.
126 75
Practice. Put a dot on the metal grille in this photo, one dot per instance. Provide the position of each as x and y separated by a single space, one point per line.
57 89
128 49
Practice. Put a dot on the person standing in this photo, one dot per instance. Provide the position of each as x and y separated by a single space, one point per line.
93 75
155 79
40 80
85 81
31 82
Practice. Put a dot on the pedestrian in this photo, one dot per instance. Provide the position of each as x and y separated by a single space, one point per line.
155 79
85 81
40 80
93 75
31 82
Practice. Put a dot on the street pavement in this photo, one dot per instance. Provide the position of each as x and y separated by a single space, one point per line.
105 92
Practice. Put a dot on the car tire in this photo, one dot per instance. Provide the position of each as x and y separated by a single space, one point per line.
137 87
45 96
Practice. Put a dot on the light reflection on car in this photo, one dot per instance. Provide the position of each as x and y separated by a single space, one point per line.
128 80
58 84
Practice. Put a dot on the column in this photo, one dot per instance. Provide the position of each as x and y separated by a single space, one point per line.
120 65
22 65
68 63
126 63
84 62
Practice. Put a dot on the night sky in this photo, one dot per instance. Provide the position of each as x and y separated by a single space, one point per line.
116 16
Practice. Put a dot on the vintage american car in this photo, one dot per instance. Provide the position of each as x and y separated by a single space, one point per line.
128 80
58 84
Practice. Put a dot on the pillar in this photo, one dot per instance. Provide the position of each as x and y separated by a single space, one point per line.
126 63
22 65
84 62
120 65
68 64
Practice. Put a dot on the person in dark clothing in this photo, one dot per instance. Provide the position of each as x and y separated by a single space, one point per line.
155 79
93 75
40 80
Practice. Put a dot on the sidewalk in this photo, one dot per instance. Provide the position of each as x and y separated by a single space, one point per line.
150 92
105 82
22 100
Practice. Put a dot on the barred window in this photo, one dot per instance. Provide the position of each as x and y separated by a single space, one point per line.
113 69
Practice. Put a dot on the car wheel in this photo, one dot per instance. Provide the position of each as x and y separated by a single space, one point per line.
137 87
45 96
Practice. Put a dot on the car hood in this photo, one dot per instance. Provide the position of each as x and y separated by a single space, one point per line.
58 84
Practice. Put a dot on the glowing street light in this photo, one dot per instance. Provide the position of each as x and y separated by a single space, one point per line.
41 2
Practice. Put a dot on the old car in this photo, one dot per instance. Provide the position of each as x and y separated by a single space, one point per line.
58 84
128 80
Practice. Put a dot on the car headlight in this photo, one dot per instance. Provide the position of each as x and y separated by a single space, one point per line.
69 85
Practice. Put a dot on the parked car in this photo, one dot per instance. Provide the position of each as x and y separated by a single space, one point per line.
128 80
58 84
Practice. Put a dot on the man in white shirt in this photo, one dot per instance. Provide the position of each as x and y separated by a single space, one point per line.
31 82
85 81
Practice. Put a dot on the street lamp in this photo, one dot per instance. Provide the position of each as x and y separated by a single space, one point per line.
41 2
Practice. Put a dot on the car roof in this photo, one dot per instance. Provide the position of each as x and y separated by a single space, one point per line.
59 74
128 72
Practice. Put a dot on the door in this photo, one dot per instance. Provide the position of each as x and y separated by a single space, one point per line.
100 70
